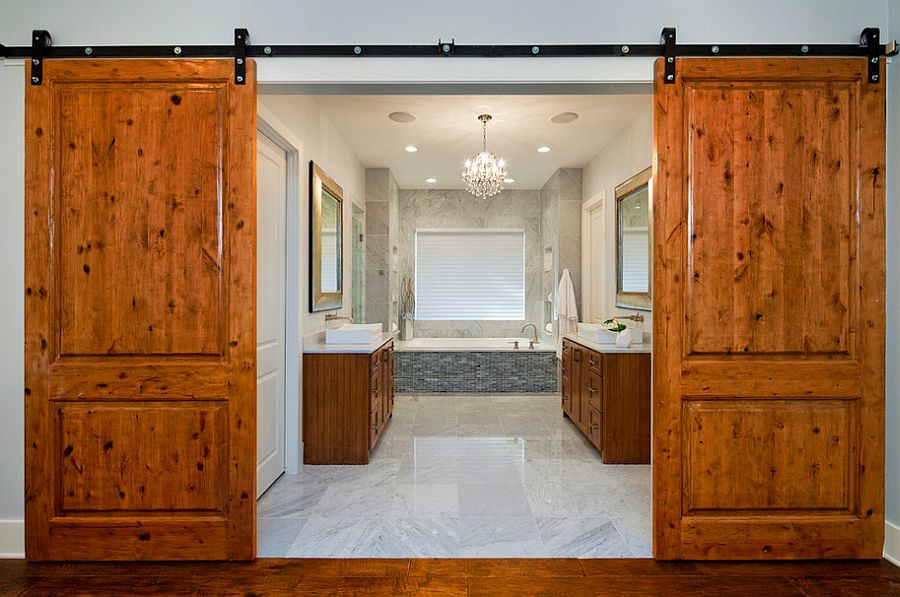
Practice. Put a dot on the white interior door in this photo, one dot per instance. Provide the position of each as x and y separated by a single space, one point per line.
598 253
270 300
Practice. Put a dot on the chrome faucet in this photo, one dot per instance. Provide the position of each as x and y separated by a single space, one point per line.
637 317
535 339
335 317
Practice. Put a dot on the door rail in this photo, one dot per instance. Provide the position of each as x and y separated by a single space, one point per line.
42 48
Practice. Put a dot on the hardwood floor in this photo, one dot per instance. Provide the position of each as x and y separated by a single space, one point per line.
489 577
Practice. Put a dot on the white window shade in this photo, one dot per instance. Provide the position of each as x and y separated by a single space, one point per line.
635 260
470 274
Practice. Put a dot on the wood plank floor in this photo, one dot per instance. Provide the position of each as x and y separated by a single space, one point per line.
488 577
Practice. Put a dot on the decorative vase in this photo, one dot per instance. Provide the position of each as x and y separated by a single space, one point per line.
406 332
623 339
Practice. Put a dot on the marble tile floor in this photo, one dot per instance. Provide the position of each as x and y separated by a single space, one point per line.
464 476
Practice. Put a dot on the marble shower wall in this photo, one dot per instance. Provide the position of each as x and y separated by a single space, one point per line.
561 201
456 208
382 230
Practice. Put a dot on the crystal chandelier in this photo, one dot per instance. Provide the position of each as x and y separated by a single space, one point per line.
484 173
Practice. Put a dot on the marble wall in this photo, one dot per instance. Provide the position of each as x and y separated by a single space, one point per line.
561 200
382 228
456 208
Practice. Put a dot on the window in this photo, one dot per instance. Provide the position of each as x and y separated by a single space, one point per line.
470 274
635 260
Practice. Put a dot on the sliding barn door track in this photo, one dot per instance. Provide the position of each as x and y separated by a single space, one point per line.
42 48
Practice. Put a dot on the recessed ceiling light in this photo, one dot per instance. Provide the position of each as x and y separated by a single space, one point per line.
403 117
543 149
564 117
509 180
431 180
411 149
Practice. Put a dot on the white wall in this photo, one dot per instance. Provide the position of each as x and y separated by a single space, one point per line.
12 318
323 144
625 155
363 21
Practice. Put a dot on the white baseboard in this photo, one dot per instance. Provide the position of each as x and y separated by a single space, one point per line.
892 543
12 539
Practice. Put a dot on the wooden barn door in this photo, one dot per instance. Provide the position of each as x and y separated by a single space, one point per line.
769 317
140 339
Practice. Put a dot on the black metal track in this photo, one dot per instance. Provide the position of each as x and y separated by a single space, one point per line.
869 41
469 51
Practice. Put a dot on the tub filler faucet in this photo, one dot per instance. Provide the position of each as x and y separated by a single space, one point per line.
534 341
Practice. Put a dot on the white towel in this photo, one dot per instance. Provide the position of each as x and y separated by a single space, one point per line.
566 309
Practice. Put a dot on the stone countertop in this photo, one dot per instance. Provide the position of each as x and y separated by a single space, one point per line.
315 344
645 348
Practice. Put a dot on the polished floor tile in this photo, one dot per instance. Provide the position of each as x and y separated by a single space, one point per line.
465 476
500 537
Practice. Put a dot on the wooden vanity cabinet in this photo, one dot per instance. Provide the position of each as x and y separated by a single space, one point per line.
607 396
348 398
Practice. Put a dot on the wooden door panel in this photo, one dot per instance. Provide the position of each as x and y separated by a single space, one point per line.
769 310
771 202
138 218
140 332
179 466
808 463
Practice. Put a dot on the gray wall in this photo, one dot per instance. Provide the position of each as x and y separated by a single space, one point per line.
382 226
561 232
456 208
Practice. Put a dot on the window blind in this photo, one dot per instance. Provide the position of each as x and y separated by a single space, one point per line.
470 274
635 260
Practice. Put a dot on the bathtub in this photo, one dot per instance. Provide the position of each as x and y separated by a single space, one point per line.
474 344
474 365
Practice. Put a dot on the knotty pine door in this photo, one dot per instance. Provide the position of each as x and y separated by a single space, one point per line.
769 320
140 311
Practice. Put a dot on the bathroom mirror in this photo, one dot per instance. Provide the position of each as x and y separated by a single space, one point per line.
634 242
326 200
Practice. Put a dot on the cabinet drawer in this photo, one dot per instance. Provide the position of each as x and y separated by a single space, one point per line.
595 362
594 390
594 425
375 360
376 406
375 424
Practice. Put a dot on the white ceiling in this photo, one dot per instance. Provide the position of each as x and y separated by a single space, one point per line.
446 132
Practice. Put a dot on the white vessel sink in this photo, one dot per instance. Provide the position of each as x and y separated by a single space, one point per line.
596 332
353 333
599 334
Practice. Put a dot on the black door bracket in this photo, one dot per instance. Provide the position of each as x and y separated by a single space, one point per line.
667 40
870 39
241 41
40 39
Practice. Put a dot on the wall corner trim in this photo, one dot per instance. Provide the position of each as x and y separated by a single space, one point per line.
12 539
892 543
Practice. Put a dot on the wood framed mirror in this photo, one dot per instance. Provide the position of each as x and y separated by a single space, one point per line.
326 206
633 242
